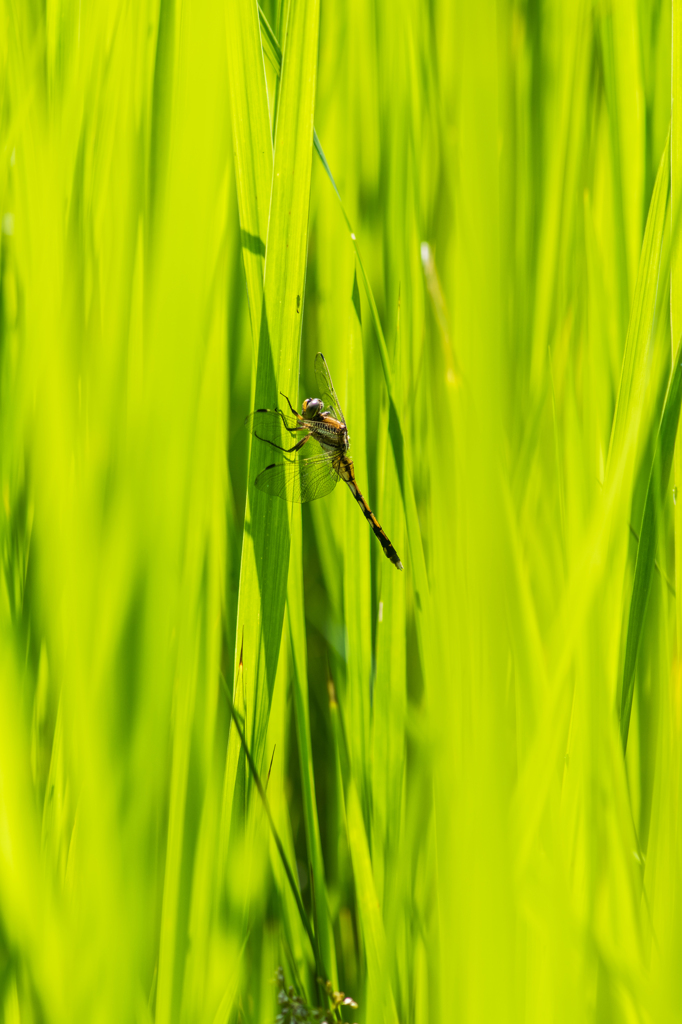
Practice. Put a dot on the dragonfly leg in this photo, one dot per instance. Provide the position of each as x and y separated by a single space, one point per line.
290 405
296 448
291 430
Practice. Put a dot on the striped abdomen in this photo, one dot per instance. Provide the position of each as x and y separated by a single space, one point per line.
344 468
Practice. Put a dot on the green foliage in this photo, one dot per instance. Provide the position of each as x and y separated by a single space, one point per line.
246 765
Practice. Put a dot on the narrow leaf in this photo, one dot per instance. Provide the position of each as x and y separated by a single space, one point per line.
646 550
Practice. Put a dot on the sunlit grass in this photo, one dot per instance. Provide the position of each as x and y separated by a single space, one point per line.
470 770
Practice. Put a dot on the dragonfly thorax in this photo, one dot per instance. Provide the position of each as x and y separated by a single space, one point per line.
329 431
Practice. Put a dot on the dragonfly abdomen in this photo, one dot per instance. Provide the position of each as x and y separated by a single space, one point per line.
346 472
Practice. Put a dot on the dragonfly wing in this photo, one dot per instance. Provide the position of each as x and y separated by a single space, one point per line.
275 426
326 388
299 480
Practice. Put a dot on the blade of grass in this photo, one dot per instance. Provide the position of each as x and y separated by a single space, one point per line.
323 924
185 307
30 915
379 994
676 274
239 725
646 549
624 88
633 373
357 562
252 140
265 551
380 998
572 70
278 788
253 161
392 876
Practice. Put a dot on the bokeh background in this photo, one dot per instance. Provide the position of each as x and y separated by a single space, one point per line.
473 767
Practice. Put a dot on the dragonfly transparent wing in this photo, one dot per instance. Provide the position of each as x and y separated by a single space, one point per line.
275 426
299 480
326 388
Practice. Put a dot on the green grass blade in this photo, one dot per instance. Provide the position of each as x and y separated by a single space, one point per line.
633 374
623 81
251 133
646 549
271 47
275 835
560 175
24 893
184 307
390 707
357 546
676 273
323 924
265 550
252 141
380 998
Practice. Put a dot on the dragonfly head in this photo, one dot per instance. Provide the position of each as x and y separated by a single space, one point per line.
312 408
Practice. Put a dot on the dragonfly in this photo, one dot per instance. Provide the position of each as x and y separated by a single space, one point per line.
318 457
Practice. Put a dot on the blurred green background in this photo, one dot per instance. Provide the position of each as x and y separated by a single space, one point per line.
473 767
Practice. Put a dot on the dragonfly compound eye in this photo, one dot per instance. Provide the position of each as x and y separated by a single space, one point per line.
312 407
